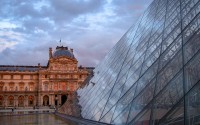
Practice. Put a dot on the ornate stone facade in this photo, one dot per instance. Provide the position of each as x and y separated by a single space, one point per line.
28 86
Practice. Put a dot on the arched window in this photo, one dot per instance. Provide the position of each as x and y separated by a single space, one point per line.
10 100
21 101
46 100
31 100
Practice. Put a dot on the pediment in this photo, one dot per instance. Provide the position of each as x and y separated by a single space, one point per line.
64 61
62 64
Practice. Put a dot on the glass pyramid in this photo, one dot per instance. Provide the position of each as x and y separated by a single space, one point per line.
152 75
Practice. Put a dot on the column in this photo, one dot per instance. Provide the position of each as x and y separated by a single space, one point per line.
41 100
53 100
34 101
50 99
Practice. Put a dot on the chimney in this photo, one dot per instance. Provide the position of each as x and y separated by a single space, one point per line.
71 50
50 52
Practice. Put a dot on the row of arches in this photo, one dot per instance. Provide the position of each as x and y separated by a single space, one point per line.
10 100
22 101
12 86
46 100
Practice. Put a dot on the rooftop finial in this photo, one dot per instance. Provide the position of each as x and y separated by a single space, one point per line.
60 41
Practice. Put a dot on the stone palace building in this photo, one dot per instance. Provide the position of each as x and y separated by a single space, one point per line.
29 86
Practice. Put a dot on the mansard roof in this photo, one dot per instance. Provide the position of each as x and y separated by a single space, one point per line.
20 68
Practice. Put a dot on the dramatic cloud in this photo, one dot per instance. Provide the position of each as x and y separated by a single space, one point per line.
91 27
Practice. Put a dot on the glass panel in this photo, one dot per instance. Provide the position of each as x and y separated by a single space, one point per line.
193 106
191 29
147 77
192 46
189 12
142 100
107 118
143 118
122 118
174 116
125 100
169 72
167 98
192 72
170 52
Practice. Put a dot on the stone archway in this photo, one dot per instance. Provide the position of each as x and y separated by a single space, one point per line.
21 101
63 99
10 100
31 100
45 100
1 101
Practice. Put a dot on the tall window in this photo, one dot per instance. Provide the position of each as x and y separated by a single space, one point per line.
1 86
31 77
64 86
1 100
16 88
11 101
11 86
21 76
31 86
21 101
21 86
55 86
45 86
11 77
31 100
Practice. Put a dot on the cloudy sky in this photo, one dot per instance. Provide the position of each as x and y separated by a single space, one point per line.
91 27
